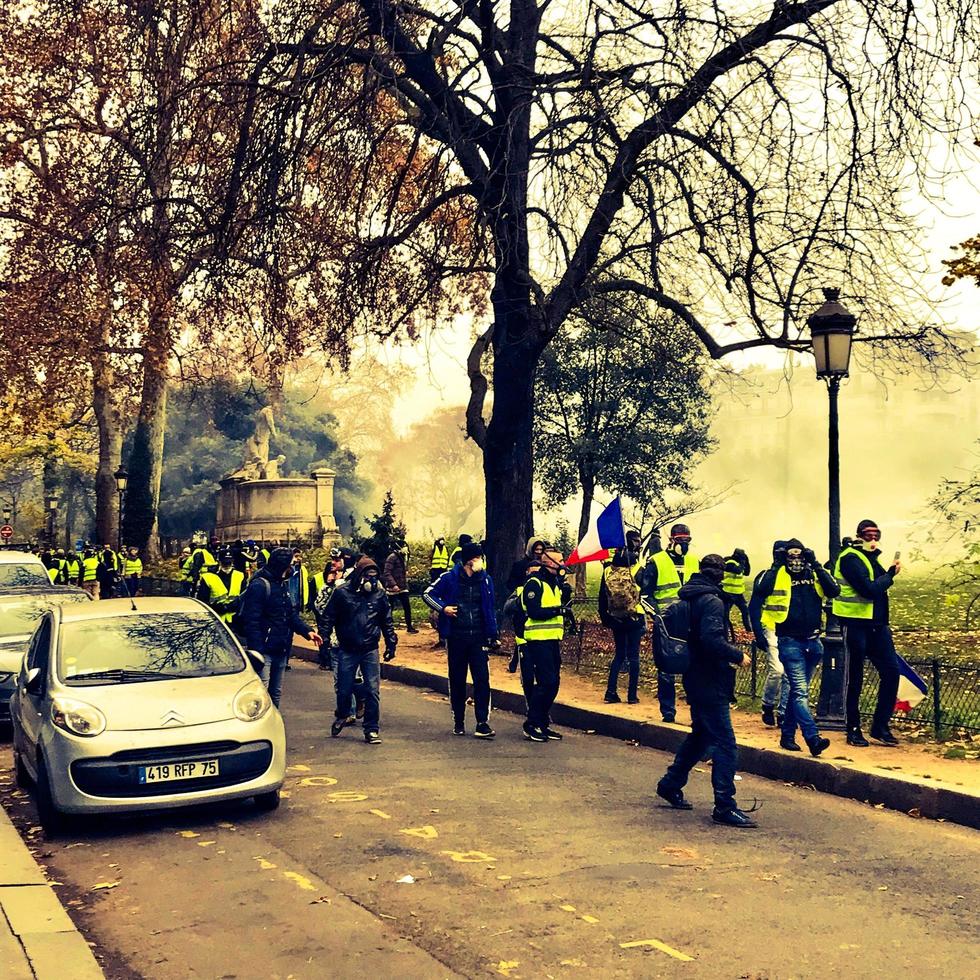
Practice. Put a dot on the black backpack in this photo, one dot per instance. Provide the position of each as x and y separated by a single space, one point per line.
671 632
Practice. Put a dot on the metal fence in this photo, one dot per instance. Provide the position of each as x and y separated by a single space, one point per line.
951 707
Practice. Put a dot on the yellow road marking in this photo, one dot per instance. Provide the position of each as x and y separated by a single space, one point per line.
187 833
567 908
344 796
505 966
265 865
318 781
298 768
300 880
206 843
382 814
657 944
469 857
591 919
428 832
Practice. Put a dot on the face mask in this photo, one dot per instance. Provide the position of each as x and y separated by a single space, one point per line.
562 572
369 584
681 547
795 563
869 545
477 564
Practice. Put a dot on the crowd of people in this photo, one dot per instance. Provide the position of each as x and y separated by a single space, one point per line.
263 594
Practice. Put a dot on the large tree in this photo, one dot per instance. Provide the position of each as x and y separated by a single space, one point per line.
720 161
622 404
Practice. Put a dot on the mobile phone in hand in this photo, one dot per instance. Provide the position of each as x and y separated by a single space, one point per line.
898 555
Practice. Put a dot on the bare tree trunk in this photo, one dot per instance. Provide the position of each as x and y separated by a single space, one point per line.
110 455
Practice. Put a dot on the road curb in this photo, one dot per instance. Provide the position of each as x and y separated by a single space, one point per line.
38 940
826 776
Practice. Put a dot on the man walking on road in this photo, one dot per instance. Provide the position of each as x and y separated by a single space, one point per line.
862 608
792 597
269 619
464 599
360 613
707 682
543 599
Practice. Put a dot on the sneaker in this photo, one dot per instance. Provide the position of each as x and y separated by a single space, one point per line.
372 738
551 734
817 745
459 728
337 727
533 734
669 717
633 700
733 818
789 744
412 629
856 738
483 730
768 716
883 735
612 699
674 797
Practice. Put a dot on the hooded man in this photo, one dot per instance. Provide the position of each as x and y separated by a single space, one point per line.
862 608
465 601
532 554
395 580
321 588
708 682
775 691
792 596
665 572
360 613
269 619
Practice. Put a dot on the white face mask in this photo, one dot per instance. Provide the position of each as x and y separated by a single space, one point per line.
477 564
369 584
869 545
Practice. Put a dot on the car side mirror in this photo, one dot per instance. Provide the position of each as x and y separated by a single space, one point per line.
256 660
34 683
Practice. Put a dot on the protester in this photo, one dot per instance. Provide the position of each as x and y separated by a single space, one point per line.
439 559
514 611
664 574
707 682
186 572
132 569
108 572
269 619
71 570
222 590
737 567
360 613
395 580
621 611
792 604
464 599
90 572
543 599
775 690
518 571
321 588
862 608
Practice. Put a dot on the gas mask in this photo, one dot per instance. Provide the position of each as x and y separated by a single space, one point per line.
680 547
869 544
795 562
370 584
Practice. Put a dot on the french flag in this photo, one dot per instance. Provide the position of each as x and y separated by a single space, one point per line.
606 533
911 687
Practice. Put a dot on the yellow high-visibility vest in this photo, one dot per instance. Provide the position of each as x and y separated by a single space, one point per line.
440 558
553 626
90 569
132 566
668 576
775 609
221 594
850 604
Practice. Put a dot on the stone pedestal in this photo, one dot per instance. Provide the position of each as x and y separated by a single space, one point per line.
278 510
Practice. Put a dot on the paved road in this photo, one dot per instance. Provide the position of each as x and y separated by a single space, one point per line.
529 861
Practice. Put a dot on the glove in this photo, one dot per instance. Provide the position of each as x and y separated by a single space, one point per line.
809 556
389 654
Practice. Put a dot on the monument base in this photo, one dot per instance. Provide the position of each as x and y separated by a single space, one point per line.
289 509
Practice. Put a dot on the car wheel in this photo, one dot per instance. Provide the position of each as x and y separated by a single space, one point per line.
267 801
21 776
52 820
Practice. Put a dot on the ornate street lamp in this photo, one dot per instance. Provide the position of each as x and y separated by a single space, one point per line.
831 332
122 480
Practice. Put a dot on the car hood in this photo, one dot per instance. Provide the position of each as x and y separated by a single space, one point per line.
12 650
168 705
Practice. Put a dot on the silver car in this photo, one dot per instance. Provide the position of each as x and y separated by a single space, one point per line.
126 705
20 568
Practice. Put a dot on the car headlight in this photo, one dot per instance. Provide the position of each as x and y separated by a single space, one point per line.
77 717
252 701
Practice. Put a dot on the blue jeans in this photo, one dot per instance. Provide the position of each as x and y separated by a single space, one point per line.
711 727
272 673
775 692
345 670
799 659
627 638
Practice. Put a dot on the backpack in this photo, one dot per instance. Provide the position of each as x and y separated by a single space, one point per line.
622 592
671 632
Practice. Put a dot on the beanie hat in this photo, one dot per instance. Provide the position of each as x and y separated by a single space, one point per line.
680 529
713 566
465 539
794 543
469 551
865 524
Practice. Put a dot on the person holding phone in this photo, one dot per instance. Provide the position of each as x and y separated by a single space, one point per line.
862 608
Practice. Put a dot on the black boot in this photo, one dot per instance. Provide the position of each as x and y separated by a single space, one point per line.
789 744
674 797
883 735
768 716
817 745
733 818
854 737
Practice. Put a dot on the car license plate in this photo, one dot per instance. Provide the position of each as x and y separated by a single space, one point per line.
170 771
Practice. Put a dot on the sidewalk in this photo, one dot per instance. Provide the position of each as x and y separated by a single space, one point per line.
37 939
911 778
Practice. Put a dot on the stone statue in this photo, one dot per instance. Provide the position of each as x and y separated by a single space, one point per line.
271 469
256 465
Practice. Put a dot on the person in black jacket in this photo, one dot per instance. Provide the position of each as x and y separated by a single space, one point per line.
268 619
707 682
628 628
518 571
361 615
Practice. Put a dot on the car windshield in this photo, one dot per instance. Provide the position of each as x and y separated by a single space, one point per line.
17 618
13 575
145 647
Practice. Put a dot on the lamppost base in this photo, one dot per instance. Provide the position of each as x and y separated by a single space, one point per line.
830 705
